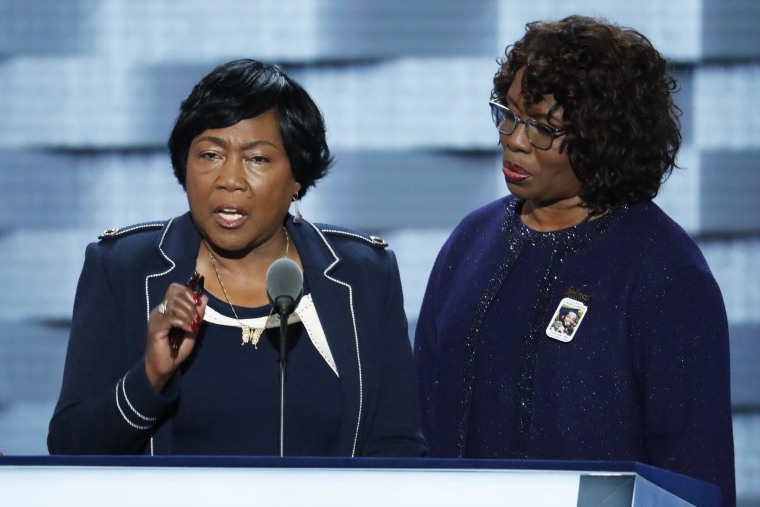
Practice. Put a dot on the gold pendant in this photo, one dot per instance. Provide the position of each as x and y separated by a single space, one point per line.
251 334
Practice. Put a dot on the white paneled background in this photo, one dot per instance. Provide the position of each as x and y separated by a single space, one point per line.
89 90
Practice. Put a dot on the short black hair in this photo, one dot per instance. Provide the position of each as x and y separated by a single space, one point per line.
623 128
243 89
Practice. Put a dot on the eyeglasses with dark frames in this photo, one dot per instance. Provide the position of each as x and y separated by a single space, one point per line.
540 135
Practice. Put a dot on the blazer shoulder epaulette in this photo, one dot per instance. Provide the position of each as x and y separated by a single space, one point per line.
375 241
120 232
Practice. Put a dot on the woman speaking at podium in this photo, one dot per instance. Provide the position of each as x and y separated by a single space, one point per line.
573 319
174 345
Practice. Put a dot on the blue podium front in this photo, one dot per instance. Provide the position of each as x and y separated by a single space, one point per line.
132 481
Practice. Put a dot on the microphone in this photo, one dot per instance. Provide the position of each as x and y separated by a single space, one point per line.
284 290
284 286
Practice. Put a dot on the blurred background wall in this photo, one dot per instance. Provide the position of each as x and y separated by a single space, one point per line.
89 90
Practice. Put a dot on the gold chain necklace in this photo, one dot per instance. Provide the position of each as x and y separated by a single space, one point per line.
250 334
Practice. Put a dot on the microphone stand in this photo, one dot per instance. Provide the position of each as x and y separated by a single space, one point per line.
282 310
284 289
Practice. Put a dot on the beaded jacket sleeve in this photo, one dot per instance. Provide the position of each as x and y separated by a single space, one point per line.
643 374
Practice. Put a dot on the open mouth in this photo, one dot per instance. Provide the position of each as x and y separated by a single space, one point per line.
229 217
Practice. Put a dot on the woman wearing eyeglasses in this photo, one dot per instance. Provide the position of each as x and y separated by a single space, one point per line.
589 130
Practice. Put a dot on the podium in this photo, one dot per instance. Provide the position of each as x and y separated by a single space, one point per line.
63 481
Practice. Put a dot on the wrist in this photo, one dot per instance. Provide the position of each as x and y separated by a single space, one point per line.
156 379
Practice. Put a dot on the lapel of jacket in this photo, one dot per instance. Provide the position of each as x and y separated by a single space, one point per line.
177 249
177 252
330 285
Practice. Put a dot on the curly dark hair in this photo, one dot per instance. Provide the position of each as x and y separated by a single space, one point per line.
623 128
243 89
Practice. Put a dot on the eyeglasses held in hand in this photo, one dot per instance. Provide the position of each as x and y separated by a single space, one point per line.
540 135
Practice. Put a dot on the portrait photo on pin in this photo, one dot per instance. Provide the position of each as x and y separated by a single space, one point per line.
566 319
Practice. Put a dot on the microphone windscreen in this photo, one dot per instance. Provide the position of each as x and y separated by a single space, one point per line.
284 278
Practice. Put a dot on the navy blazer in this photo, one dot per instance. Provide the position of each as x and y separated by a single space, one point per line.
106 399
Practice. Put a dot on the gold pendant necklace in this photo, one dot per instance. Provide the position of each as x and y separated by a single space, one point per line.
250 334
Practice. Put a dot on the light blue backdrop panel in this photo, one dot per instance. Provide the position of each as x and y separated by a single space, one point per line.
89 90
